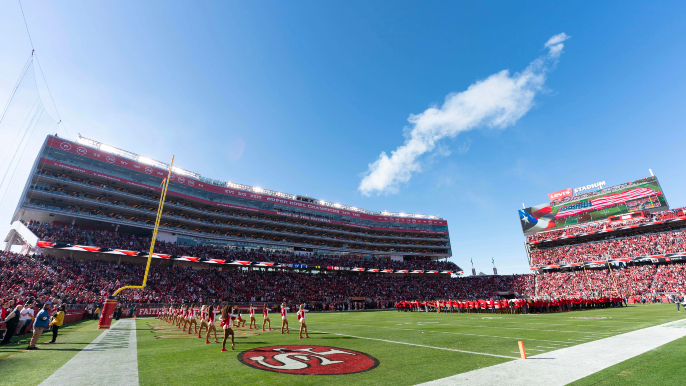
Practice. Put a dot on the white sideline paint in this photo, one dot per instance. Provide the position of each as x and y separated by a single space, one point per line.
569 364
110 359
419 345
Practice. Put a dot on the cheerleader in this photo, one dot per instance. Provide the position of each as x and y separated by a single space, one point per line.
184 316
191 319
179 316
252 318
284 319
210 325
226 326
301 319
203 321
239 318
265 317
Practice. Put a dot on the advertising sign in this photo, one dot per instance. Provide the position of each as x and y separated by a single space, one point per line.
589 188
560 194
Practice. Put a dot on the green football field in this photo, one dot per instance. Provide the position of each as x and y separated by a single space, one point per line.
409 348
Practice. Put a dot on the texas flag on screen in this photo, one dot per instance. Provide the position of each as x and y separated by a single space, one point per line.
536 218
528 221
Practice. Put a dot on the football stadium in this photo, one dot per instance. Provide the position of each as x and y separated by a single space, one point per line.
120 268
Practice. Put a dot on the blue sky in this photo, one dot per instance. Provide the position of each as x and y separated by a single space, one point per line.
302 97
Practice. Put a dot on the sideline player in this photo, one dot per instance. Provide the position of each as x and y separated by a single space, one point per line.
265 317
284 318
210 325
226 326
252 318
301 319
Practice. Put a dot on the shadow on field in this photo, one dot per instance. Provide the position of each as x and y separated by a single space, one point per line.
77 343
62 349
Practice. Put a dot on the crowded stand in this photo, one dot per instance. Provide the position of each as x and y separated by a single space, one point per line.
612 248
605 225
630 281
78 282
66 280
107 239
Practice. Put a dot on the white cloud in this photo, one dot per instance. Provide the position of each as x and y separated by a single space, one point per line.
497 101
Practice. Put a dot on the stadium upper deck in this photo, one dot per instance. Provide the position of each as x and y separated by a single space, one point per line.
95 185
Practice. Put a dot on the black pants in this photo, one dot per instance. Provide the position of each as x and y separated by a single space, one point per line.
11 328
54 332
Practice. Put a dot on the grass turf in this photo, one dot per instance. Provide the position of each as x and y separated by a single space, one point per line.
168 356
21 367
661 366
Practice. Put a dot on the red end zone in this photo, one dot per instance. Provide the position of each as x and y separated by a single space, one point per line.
308 360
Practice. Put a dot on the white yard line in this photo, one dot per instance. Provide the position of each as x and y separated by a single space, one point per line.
569 364
505 328
110 359
449 332
419 345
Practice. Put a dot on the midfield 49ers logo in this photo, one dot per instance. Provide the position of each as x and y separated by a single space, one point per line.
308 360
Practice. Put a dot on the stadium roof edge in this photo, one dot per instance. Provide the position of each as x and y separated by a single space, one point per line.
126 154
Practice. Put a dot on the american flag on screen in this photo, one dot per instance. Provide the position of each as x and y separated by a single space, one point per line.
605 202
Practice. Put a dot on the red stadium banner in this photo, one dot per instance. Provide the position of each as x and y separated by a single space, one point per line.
92 249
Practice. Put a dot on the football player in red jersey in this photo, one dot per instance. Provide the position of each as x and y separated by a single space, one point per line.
252 318
265 317
284 318
226 326
301 319
210 325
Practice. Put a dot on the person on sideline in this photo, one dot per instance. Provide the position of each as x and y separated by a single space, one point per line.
11 324
26 317
42 321
56 322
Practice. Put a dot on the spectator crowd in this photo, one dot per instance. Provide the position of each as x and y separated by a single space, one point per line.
612 248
